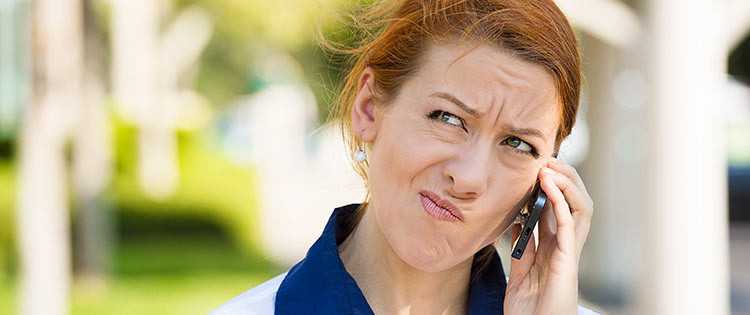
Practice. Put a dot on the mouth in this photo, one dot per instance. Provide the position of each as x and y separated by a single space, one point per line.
440 208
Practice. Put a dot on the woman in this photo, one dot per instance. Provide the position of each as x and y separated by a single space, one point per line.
453 111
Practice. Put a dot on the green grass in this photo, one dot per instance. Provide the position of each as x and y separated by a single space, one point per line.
163 294
183 255
7 200
210 186
180 275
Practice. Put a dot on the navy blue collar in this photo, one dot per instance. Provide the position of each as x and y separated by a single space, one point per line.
319 284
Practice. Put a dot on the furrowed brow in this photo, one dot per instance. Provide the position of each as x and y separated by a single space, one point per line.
454 100
525 131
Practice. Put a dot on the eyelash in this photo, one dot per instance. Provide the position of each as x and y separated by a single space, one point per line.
531 152
436 114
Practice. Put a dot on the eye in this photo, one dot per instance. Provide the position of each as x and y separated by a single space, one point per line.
448 118
520 145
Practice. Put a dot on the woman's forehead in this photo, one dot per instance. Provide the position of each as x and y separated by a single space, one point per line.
493 83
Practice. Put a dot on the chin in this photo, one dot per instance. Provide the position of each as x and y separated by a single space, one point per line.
429 259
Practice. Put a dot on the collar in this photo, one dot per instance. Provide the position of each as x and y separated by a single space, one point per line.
320 284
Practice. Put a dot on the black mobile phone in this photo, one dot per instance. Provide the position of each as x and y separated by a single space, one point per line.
535 210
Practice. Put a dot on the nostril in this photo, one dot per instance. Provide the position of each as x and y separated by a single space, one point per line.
467 178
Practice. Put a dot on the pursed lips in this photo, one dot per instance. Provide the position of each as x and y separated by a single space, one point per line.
440 208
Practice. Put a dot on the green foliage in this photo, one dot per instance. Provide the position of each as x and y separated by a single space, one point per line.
739 61
210 187
179 273
183 255
246 31
7 202
243 31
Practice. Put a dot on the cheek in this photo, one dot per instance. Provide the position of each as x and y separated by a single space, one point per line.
400 155
517 166
504 198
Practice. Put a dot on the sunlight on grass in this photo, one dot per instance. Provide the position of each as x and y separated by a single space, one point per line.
176 276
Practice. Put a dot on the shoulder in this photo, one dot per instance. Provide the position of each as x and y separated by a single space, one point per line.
259 300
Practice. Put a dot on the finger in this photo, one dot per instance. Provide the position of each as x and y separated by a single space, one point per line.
547 223
569 171
566 237
578 200
519 268
580 206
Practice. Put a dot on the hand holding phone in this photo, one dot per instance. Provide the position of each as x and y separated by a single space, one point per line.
562 233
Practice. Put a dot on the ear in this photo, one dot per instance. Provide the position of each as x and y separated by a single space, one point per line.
363 108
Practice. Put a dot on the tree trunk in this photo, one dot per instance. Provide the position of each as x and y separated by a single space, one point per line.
43 227
137 86
91 163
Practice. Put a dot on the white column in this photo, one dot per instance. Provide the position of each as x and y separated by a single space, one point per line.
606 265
685 228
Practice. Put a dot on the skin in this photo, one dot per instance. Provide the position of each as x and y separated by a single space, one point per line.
407 261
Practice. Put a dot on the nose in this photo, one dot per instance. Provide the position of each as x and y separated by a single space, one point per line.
468 172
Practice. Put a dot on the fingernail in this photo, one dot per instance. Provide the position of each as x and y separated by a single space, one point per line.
547 171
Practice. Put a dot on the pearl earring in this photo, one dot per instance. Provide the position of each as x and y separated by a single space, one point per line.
360 155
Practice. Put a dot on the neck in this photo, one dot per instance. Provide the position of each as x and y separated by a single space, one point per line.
391 286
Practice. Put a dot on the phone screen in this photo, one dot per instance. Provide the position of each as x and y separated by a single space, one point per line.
539 200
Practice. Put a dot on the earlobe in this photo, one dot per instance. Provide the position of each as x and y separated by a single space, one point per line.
363 108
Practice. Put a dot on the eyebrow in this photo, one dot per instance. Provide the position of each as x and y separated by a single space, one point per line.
478 114
525 131
454 100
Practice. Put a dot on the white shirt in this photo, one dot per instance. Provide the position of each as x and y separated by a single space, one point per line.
260 300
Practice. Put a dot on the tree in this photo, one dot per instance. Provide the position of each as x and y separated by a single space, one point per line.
43 227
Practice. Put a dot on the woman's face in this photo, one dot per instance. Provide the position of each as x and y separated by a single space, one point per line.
473 130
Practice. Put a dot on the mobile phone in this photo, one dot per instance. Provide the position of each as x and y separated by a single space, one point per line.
540 199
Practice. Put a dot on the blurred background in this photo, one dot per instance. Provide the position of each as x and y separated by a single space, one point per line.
161 157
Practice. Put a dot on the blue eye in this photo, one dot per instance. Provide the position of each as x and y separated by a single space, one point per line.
447 117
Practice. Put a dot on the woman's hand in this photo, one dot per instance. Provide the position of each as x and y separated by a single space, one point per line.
545 279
